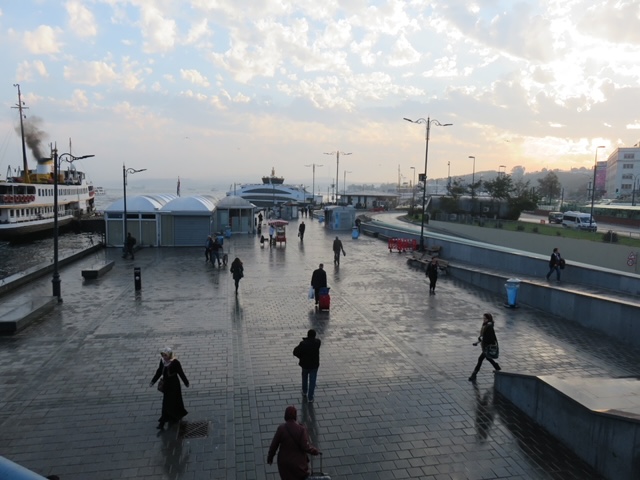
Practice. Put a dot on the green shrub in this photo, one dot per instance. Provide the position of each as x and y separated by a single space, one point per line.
534 229
520 228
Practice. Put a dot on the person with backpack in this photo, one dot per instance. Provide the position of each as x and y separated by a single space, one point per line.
556 262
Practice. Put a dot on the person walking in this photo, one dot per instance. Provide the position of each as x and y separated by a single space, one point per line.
272 233
172 404
486 339
556 262
215 252
237 270
308 351
301 229
337 248
318 281
128 246
291 442
207 248
432 273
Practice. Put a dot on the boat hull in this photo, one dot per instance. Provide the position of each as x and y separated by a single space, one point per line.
20 230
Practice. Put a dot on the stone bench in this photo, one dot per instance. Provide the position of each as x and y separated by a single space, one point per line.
422 259
97 269
17 314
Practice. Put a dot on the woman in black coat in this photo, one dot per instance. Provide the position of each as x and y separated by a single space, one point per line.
487 338
237 270
432 273
172 405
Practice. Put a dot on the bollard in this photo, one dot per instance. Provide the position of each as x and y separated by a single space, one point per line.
137 278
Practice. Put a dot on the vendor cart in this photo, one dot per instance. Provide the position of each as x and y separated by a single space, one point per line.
281 234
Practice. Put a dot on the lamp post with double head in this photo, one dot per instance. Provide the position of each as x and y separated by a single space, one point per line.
67 157
427 123
593 186
337 154
313 188
126 171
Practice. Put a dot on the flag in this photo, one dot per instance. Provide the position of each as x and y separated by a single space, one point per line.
178 189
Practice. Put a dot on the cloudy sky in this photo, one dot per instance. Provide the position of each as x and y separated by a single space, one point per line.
221 91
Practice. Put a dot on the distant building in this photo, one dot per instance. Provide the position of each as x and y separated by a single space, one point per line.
623 170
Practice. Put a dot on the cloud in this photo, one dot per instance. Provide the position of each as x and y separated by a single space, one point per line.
158 31
81 21
27 70
403 53
195 77
198 31
43 40
90 73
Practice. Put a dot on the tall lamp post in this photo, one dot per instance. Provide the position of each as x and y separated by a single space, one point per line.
473 177
413 193
313 192
344 184
55 281
593 187
427 123
337 154
126 171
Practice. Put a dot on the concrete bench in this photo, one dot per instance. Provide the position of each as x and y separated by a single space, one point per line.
433 250
97 269
422 259
19 313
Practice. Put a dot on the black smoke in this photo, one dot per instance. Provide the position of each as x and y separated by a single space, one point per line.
34 137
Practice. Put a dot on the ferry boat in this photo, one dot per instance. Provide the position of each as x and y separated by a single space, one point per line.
26 195
273 191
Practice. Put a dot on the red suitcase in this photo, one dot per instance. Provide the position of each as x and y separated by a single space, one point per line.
324 302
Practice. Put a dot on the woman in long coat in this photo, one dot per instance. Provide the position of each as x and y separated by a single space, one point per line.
172 405
486 339
237 270
291 441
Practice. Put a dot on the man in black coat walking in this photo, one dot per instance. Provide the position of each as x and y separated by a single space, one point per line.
318 281
308 351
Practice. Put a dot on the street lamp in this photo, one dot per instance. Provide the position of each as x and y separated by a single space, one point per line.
55 281
449 177
344 184
337 154
593 189
473 177
413 195
125 172
427 123
314 180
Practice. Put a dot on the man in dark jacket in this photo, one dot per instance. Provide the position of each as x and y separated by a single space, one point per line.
337 248
318 281
301 229
308 351
555 263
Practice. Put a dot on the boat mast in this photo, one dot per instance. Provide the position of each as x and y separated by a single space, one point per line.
25 166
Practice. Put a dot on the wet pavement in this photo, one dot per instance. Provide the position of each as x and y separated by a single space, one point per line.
392 400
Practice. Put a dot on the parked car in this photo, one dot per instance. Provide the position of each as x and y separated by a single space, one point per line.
555 217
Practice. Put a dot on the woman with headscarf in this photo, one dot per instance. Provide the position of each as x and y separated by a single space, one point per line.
172 405
291 441
486 339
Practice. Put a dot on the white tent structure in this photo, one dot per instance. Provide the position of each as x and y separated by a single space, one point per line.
186 221
235 215
142 219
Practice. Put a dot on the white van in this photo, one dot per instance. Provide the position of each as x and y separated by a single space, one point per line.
579 221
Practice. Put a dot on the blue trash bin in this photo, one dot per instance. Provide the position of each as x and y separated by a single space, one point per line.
512 286
355 233
227 231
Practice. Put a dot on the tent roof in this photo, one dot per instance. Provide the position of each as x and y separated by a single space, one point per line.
141 203
233 201
196 203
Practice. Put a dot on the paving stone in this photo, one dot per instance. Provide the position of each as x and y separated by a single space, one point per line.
392 400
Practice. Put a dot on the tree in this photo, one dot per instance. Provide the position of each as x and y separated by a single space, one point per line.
549 186
500 188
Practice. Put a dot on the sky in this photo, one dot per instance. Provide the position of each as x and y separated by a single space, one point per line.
222 91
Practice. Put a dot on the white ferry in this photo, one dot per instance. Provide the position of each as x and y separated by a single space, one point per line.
26 197
273 191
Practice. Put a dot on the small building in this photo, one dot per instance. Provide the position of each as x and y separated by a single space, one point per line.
236 213
143 219
186 221
339 218
289 211
370 199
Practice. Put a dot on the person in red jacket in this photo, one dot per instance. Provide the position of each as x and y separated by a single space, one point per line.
291 441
